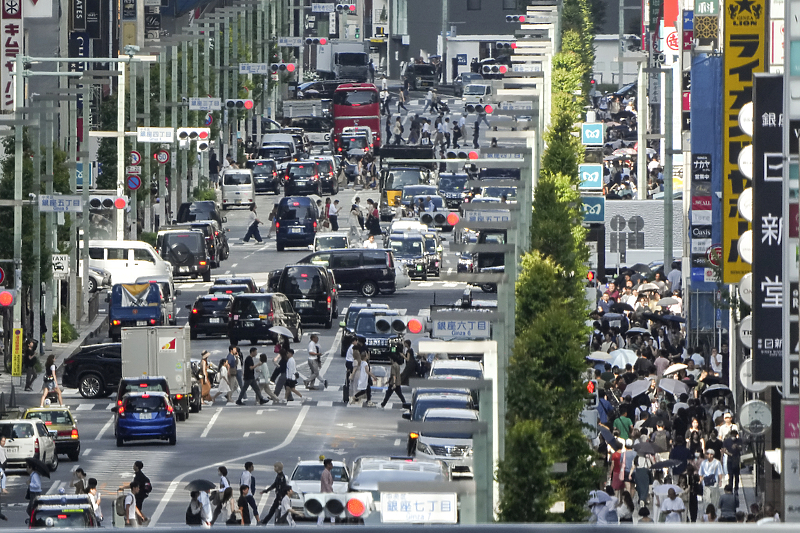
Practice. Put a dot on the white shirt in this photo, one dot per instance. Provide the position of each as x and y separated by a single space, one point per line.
462 122
291 368
245 478
699 360
333 210
205 507
384 84
426 128
716 363
313 349
130 504
430 95
224 483
3 457
349 355
286 505
373 245
709 468
669 504
251 218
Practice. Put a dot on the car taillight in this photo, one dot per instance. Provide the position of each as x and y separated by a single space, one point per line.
36 446
202 263
63 433
274 174
315 224
277 225
170 410
389 260
121 411
329 302
413 435
74 434
153 321
115 322
179 396
194 311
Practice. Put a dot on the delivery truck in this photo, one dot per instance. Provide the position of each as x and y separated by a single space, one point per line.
135 304
162 351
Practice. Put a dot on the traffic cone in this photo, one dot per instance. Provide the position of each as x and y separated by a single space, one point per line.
12 403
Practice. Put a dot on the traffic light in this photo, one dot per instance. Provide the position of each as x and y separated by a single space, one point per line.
352 505
346 9
515 18
591 279
494 69
479 108
8 298
193 134
457 155
358 33
203 145
238 104
400 324
591 388
283 67
505 45
315 40
108 202
433 218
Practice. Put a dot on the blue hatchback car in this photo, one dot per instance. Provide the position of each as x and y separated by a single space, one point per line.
145 416
296 222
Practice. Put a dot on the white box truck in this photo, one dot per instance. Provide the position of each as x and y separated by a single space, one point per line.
343 60
162 351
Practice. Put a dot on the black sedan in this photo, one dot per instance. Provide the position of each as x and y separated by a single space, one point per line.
265 175
209 315
94 370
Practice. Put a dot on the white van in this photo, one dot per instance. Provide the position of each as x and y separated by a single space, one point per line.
238 188
476 93
127 261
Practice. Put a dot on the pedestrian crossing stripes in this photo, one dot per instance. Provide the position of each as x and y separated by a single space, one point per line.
314 403
449 101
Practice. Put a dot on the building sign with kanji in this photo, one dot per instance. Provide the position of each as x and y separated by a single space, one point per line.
470 329
11 43
768 242
745 54
419 508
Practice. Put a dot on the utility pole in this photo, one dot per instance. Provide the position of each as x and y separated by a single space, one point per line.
445 22
132 127
620 64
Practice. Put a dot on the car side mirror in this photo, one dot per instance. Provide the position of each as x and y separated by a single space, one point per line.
406 416
225 221
227 230
108 298
188 306
114 409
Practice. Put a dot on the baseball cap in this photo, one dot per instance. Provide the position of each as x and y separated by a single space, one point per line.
629 443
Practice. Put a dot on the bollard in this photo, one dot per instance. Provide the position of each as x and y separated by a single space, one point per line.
12 403
2 403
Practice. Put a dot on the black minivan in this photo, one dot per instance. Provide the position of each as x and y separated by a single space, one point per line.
296 223
186 251
251 316
358 269
309 289
265 175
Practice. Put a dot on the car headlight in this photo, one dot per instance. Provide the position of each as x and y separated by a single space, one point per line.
424 448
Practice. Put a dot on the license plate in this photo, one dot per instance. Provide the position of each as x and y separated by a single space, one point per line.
238 201
214 320
249 324
297 230
10 449
141 322
260 180
145 416
303 304
183 269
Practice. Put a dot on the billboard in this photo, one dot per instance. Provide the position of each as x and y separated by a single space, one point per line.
745 54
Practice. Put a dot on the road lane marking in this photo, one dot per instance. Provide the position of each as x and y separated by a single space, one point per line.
397 442
234 265
105 428
87 451
54 487
324 403
451 284
173 486
85 407
425 284
204 434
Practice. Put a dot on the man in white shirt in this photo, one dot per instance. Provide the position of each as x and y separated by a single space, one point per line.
716 362
314 363
286 508
370 243
333 215
428 100
206 513
131 512
673 507
3 459
711 475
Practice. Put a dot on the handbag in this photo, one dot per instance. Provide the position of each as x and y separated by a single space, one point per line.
622 467
283 519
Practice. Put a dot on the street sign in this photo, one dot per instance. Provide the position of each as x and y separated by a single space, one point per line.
594 208
2 275
205 104
414 507
60 203
323 8
133 182
133 169
136 157
461 329
209 119
592 133
534 67
60 265
16 353
162 156
290 41
254 68
591 177
521 105
79 173
488 215
155 135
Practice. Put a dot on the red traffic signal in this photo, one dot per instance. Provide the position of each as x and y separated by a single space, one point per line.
452 219
590 275
414 326
239 104
283 67
590 387
474 155
7 298
515 18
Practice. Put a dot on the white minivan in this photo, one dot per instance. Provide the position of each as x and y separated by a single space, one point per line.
238 188
127 261
476 93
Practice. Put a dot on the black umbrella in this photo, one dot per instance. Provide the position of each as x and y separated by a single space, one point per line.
647 448
609 437
641 268
669 463
620 307
200 484
673 318
636 278
38 465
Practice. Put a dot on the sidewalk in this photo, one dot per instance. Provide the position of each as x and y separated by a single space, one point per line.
88 334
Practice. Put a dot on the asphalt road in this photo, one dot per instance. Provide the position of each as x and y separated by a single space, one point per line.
317 424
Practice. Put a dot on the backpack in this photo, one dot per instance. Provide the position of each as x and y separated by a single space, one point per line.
119 503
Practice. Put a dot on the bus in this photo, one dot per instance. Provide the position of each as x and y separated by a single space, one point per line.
356 104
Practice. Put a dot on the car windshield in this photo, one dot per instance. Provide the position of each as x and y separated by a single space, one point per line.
430 245
274 153
200 211
260 169
236 178
295 211
251 307
406 246
423 70
140 386
16 431
498 192
366 325
313 473
211 304
399 178
409 192
59 418
60 518
350 143
194 242
463 372
145 404
453 183
302 282
331 243
355 98
354 59
352 316
423 404
475 90
437 201
313 125
302 171
325 166
228 289
446 434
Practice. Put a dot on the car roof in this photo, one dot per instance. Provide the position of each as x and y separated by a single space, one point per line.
451 412
359 307
160 394
455 395
143 378
301 199
456 363
371 311
389 463
231 280
216 295
45 409
318 462
254 295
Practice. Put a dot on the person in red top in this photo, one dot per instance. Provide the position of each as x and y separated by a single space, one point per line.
613 293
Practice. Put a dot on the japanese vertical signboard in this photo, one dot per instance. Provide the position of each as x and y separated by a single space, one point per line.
700 218
768 314
745 54
16 353
11 42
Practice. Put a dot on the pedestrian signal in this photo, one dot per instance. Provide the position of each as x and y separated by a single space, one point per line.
108 202
283 67
238 104
8 298
591 388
